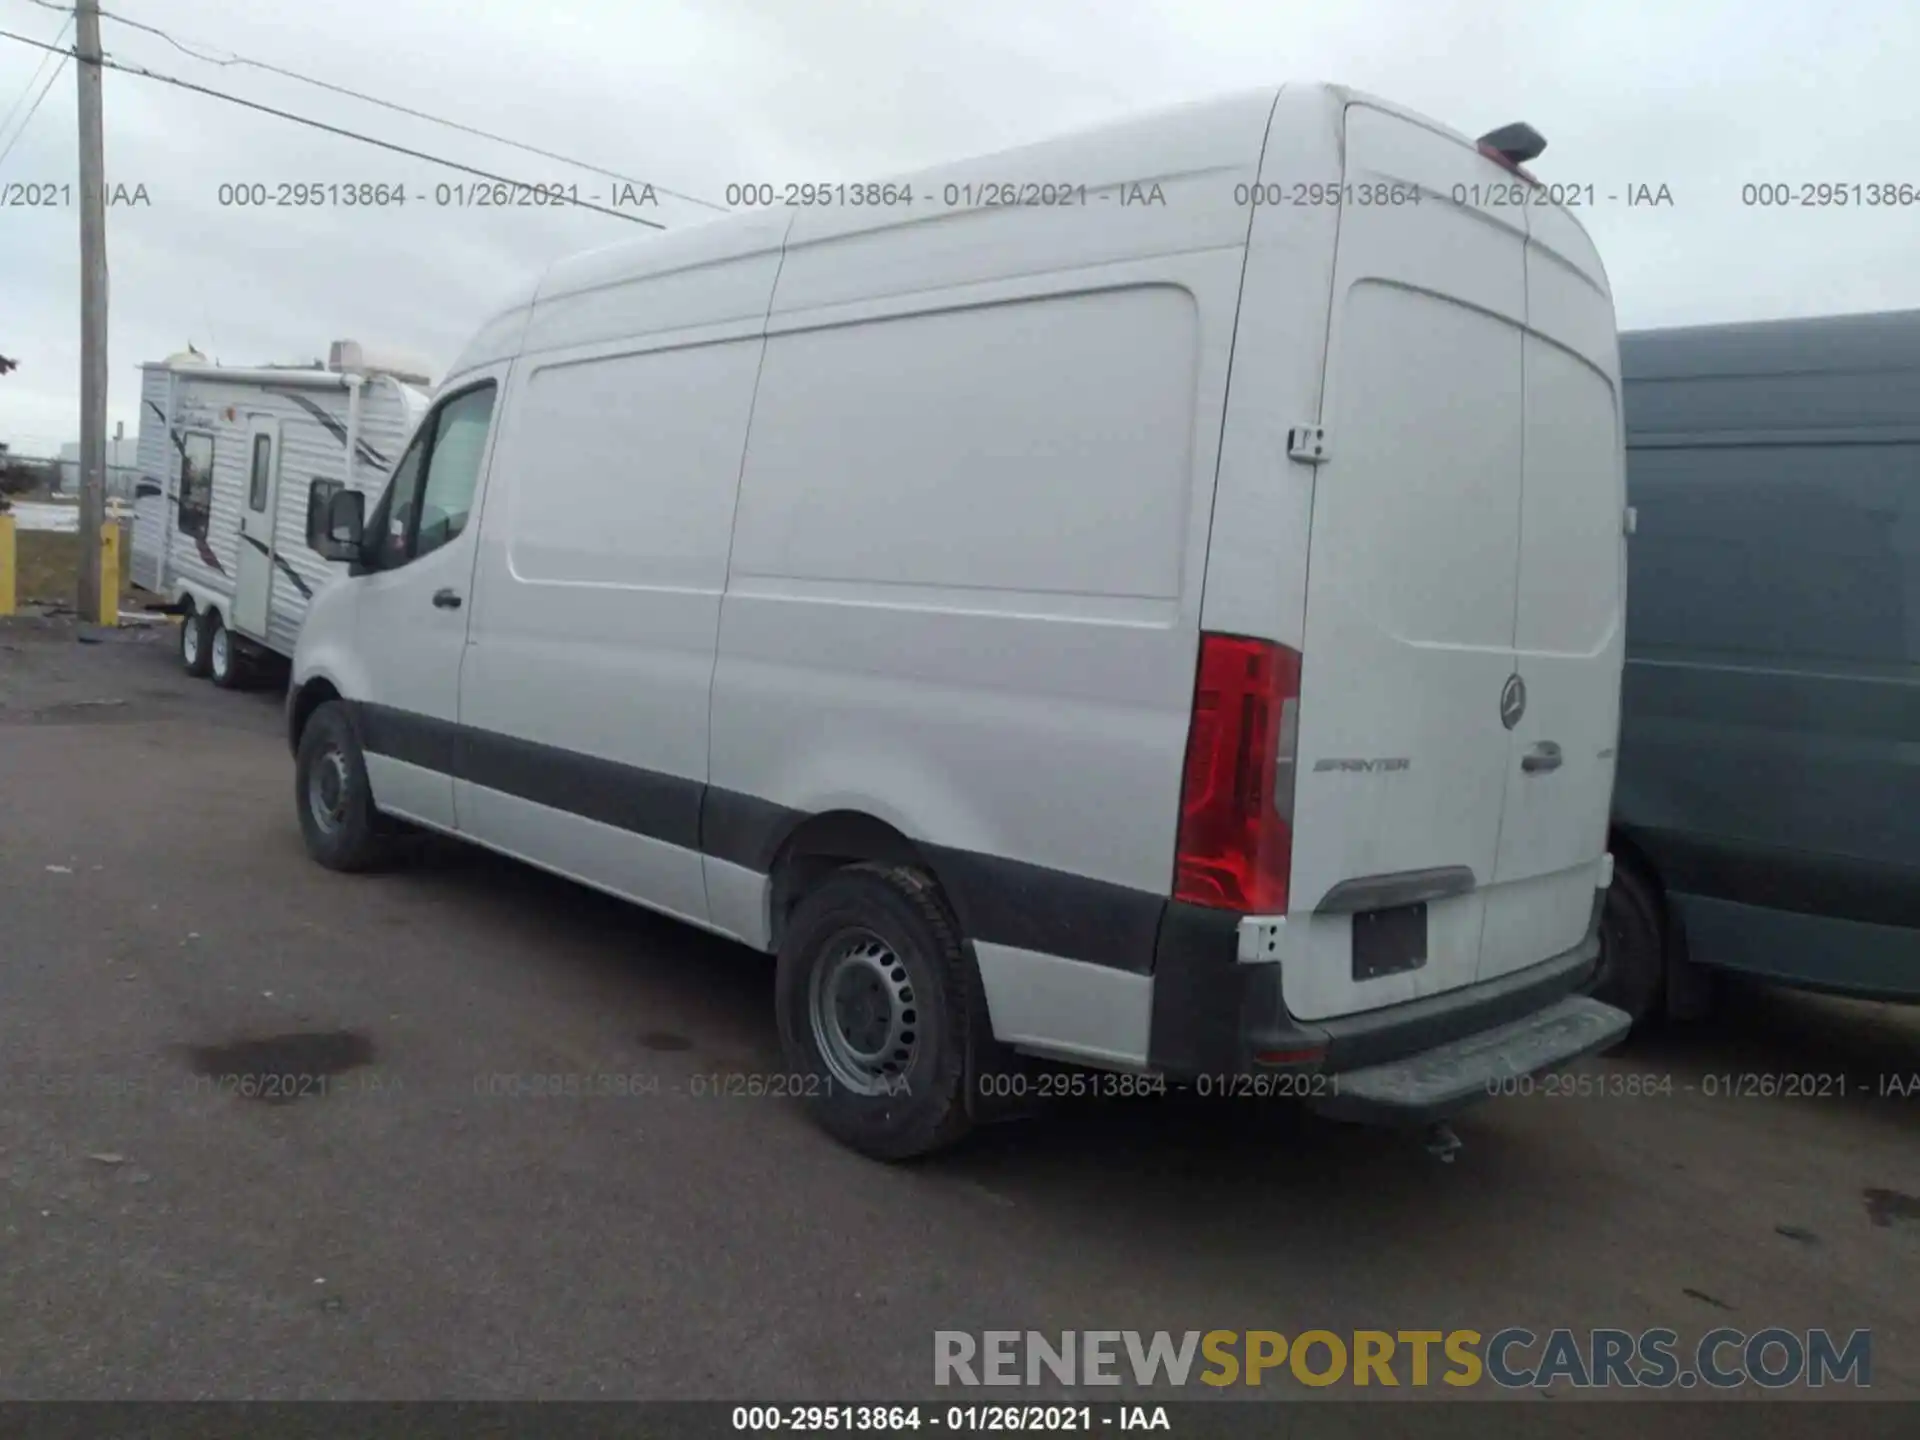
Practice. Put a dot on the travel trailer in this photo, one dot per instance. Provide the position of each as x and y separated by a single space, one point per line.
1150 600
230 459
1769 785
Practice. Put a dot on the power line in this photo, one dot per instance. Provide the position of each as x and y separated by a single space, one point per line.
235 58
332 129
14 109
30 111
33 79
238 59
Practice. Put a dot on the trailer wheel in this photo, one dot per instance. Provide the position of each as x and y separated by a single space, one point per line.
193 641
225 664
871 993
342 827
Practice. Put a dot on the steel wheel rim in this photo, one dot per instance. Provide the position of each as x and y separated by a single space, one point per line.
190 639
220 656
328 786
860 1004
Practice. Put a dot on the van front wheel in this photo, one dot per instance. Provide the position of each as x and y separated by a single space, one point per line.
871 995
338 820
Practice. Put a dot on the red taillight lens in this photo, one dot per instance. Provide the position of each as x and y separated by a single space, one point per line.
1236 799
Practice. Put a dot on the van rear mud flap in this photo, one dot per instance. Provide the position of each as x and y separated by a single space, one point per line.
1446 1079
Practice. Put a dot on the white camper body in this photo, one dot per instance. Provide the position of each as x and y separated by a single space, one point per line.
230 547
1154 600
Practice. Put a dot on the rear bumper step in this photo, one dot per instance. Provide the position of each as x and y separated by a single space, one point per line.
1440 1082
1409 1063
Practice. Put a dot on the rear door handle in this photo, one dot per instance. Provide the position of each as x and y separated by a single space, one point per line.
1542 758
446 599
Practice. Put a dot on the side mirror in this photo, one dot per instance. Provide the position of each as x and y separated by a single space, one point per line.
335 523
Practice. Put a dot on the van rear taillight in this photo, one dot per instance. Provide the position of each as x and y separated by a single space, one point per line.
1236 798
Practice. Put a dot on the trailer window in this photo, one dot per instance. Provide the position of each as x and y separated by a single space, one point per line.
196 484
262 472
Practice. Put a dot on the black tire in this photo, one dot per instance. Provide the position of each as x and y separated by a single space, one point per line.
352 834
220 640
193 642
894 920
1633 948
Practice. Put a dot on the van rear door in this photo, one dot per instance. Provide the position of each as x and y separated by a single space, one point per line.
1411 723
1569 607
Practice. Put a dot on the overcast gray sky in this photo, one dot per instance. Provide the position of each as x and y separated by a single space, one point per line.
694 94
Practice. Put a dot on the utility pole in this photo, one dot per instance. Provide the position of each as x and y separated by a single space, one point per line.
93 313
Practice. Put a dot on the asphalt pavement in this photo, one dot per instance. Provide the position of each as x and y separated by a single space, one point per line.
417 1223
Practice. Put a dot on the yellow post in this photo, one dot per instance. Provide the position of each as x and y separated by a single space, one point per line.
109 561
8 569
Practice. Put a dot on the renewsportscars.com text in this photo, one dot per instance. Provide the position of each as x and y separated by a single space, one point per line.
1513 1358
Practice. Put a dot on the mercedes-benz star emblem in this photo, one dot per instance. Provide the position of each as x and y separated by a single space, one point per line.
1513 701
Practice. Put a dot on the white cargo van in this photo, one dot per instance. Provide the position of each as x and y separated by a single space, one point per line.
1151 599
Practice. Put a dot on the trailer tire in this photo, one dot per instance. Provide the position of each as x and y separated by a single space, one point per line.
226 666
342 827
872 991
193 640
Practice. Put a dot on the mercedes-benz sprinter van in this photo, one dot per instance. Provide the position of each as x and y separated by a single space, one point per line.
1151 600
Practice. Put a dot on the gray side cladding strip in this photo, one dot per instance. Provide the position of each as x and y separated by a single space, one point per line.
999 901
402 735
662 807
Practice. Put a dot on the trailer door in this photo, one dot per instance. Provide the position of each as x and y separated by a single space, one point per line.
253 577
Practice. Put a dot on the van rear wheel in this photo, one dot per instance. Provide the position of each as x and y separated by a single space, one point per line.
871 994
1633 948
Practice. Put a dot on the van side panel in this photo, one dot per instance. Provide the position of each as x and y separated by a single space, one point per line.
1768 764
938 456
603 555
963 595
965 590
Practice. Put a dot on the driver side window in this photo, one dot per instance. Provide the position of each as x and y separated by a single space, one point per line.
431 496
453 468
387 549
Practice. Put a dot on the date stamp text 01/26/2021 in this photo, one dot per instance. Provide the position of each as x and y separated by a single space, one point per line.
985 194
61 194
